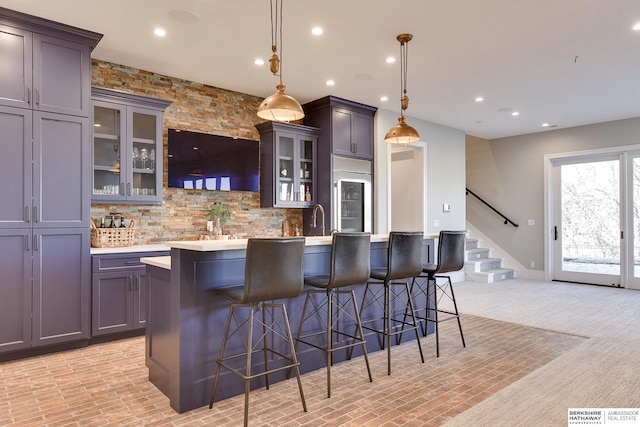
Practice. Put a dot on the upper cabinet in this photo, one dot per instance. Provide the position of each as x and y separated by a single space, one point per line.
287 165
49 65
347 126
127 147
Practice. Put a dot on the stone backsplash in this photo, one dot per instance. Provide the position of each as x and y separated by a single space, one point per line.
200 108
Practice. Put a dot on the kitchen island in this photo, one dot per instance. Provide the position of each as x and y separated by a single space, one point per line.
186 320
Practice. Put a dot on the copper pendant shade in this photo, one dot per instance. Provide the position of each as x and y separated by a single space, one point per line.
279 106
402 133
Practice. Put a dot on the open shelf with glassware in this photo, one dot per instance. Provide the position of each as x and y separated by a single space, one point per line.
127 147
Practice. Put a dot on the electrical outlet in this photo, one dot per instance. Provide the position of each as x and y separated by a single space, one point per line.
532 264
436 223
531 222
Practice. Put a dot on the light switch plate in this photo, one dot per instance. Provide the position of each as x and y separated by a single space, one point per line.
446 207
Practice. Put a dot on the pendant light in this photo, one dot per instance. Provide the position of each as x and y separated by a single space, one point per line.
279 106
402 133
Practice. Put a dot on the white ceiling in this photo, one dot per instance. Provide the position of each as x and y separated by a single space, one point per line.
564 62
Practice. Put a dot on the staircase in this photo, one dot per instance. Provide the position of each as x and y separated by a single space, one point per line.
480 267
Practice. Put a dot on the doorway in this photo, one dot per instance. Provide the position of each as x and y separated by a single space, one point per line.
407 188
593 211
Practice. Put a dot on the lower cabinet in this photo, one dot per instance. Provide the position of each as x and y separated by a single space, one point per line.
119 292
45 292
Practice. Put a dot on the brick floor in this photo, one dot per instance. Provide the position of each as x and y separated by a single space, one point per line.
107 385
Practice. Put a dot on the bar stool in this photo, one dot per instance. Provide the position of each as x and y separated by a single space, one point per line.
273 271
450 258
349 265
404 261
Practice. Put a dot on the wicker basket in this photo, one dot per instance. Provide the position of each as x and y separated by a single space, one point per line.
112 237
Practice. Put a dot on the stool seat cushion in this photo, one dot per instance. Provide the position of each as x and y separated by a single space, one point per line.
429 268
233 293
318 281
379 273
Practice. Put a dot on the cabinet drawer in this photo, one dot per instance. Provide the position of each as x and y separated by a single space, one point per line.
115 262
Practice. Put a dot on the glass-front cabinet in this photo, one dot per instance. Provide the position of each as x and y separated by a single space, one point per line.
127 147
287 166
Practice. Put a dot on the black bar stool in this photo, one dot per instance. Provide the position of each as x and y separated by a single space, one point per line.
450 258
273 271
349 265
404 261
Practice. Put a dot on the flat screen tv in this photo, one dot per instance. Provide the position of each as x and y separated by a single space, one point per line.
202 161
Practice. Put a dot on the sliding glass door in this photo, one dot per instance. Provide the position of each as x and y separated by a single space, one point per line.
586 226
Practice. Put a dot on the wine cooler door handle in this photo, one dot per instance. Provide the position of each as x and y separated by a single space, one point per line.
555 232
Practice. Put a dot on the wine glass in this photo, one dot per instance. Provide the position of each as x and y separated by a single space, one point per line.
136 156
144 155
152 158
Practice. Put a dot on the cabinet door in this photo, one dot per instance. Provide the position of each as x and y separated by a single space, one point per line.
61 285
109 152
15 167
362 136
140 299
112 302
15 292
61 175
144 154
341 131
15 57
61 76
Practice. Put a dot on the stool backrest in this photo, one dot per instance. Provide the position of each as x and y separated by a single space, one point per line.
404 254
273 269
451 251
350 259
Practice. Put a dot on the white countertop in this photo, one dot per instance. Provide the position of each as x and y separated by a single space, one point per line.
158 261
225 245
130 249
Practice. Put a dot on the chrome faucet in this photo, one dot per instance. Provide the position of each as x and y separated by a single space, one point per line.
314 214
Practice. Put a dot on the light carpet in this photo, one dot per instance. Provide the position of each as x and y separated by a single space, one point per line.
602 372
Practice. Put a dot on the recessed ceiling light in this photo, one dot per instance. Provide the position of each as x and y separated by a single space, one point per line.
545 125
636 27
159 32
384 98
390 60
515 113
317 31
479 99
259 61
330 82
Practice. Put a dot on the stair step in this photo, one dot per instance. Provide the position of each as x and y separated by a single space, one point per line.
477 253
492 276
483 264
471 244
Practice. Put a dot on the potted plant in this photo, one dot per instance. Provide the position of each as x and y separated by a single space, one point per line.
219 213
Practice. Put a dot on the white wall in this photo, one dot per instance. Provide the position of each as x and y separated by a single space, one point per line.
509 174
444 176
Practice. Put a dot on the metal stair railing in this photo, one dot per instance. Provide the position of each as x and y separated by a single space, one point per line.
506 220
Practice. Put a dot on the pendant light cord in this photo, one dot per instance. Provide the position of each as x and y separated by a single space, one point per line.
404 52
276 30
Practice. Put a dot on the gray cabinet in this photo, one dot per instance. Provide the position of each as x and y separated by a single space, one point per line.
44 297
45 73
287 165
45 158
45 170
119 292
346 131
347 126
127 147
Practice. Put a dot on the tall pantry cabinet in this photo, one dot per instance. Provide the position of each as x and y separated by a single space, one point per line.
45 105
